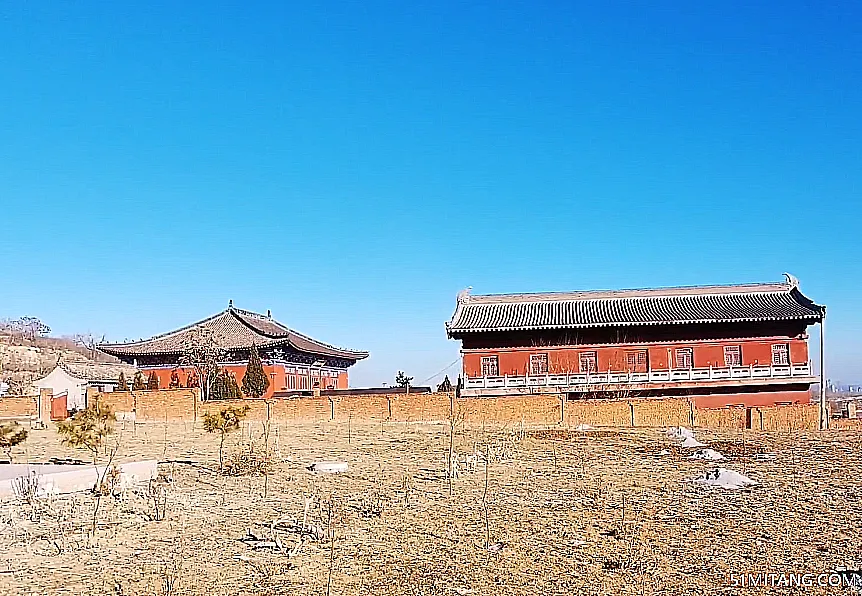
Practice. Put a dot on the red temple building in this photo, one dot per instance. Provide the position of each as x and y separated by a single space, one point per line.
720 345
293 361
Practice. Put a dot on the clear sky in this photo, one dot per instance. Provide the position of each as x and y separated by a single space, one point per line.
352 167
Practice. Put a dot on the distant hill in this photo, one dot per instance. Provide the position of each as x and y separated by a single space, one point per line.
27 356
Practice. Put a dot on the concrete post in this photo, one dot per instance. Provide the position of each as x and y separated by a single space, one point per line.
824 412
44 406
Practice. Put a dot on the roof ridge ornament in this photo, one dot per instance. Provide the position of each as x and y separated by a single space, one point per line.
792 280
464 295
230 304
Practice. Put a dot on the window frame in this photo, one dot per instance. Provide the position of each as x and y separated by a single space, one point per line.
734 350
685 352
540 359
591 358
634 359
782 352
489 364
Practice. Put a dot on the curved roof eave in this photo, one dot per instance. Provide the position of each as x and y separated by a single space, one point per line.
455 330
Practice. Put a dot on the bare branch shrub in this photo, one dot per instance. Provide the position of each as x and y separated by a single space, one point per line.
157 499
249 460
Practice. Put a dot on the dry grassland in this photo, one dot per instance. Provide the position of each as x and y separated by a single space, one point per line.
568 513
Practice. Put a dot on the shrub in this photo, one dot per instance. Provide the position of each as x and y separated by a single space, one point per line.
138 382
11 435
122 383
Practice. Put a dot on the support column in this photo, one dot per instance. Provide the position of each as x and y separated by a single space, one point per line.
824 413
44 407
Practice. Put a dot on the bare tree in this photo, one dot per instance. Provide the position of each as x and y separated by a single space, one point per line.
33 327
89 342
202 351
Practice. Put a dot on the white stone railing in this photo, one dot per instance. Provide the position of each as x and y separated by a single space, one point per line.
652 376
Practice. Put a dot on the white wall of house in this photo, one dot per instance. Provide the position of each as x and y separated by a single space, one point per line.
59 381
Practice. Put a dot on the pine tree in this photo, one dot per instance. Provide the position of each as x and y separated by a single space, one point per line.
122 384
153 382
138 382
235 391
217 389
254 381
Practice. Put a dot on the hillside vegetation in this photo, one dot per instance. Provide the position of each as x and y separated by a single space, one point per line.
27 352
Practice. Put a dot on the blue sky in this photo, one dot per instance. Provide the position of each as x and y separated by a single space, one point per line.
352 166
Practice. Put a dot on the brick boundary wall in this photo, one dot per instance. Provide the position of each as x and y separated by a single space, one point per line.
786 418
846 424
174 405
19 406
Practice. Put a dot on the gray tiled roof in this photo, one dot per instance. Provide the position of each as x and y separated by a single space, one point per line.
656 306
233 329
98 371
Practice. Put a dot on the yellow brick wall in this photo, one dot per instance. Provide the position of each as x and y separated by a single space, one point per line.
534 410
19 405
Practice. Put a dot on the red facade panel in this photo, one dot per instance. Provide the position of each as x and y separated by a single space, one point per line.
751 400
516 361
279 379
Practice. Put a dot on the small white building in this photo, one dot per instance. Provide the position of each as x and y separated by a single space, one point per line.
74 378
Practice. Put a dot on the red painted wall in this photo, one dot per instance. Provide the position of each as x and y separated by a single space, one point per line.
278 378
751 400
516 361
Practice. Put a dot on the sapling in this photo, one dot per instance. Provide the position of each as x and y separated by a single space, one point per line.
89 429
224 421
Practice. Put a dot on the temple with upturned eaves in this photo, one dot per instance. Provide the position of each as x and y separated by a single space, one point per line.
744 345
293 361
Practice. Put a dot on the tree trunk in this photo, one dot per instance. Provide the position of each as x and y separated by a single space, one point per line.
220 453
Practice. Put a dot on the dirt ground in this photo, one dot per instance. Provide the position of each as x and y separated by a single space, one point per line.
599 512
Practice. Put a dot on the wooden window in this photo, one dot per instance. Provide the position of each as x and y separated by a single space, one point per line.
490 366
589 363
538 364
780 354
635 360
732 356
683 358
291 381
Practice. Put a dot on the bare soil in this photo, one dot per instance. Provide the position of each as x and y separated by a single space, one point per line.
567 513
